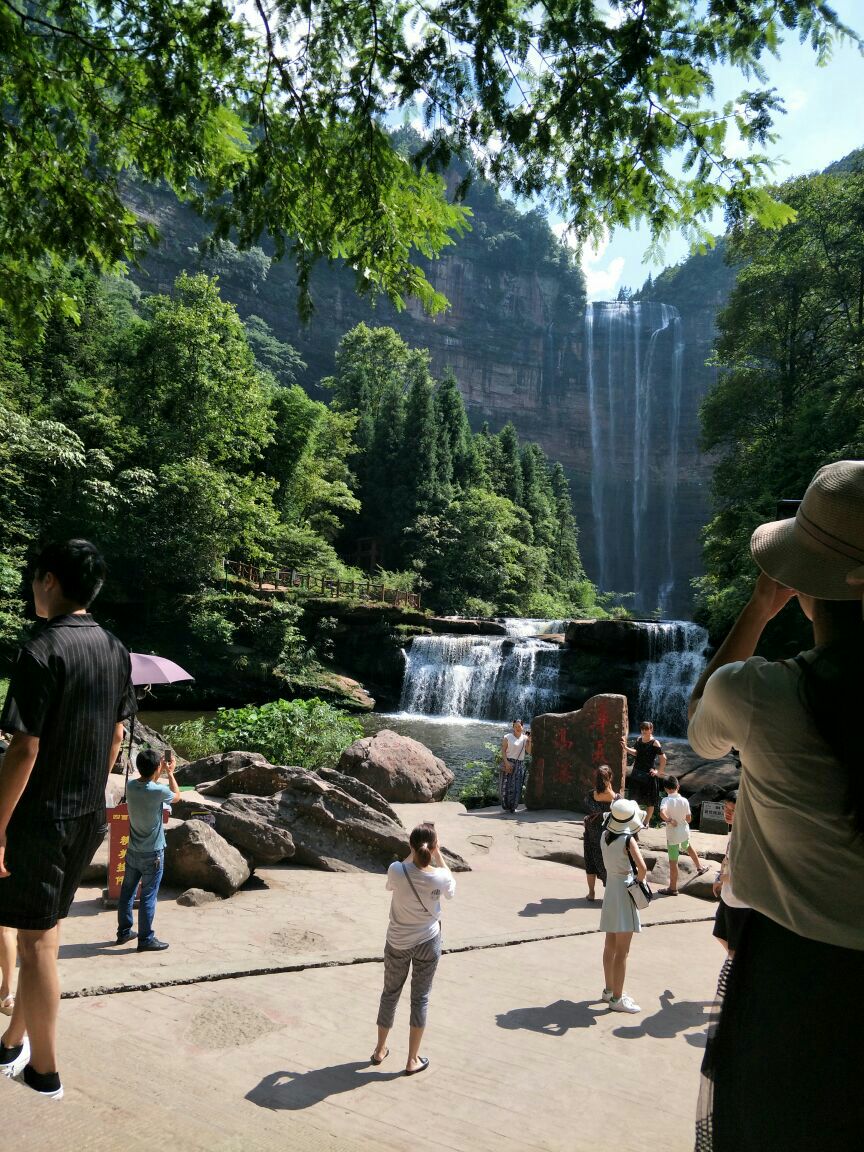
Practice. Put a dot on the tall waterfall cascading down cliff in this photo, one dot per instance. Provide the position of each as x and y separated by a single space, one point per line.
634 354
480 677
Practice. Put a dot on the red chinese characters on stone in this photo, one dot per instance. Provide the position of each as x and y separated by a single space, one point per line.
569 746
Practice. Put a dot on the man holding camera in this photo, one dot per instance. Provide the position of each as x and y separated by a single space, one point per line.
145 856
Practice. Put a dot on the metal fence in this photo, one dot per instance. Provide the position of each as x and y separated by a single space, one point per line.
319 584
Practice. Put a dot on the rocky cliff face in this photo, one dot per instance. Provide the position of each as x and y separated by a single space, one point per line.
613 393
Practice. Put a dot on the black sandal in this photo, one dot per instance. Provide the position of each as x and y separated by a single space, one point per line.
373 1059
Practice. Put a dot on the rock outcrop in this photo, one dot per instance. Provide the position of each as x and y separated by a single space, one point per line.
258 779
569 746
402 770
331 830
214 767
264 842
322 819
196 856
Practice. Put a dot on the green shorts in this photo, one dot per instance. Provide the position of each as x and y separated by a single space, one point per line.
675 850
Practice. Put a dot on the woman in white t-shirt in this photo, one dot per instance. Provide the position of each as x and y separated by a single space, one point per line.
413 939
515 746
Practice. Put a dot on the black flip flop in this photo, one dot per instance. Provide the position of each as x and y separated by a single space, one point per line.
373 1059
424 1064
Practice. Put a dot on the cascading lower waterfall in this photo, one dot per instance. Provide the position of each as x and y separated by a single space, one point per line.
526 626
480 677
676 659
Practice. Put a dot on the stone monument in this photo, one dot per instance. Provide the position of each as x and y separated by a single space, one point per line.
567 748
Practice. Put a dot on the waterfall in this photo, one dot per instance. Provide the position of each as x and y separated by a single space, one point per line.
481 677
667 585
633 365
597 472
525 626
676 658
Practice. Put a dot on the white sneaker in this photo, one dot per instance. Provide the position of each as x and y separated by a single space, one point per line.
606 995
625 1004
17 1065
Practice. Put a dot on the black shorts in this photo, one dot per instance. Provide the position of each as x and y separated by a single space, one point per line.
45 859
729 924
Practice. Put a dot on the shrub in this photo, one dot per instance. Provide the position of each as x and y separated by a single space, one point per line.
194 738
481 785
310 733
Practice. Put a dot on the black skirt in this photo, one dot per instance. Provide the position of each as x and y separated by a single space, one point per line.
784 1067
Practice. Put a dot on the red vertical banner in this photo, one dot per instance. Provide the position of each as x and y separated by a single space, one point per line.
117 847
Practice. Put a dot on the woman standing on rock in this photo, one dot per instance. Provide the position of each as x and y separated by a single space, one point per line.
620 916
413 939
515 746
596 805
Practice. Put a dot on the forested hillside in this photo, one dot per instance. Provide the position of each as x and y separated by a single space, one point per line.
790 349
173 435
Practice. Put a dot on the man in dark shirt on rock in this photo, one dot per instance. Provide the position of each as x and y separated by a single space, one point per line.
68 695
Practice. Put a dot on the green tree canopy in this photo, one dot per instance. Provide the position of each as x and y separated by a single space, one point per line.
790 394
270 119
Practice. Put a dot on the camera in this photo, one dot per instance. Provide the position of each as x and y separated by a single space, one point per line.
786 509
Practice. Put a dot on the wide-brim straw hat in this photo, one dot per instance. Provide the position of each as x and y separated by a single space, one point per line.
816 550
624 816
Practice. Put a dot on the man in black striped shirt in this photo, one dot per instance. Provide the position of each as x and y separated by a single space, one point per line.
68 695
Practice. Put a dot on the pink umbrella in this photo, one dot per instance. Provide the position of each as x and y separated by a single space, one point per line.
156 670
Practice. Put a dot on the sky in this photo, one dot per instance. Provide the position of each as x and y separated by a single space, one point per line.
823 123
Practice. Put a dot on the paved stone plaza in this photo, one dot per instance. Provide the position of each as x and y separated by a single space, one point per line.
274 1052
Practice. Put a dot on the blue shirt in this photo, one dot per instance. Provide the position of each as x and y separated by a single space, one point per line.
145 799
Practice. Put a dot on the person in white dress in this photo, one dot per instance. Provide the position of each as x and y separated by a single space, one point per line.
619 918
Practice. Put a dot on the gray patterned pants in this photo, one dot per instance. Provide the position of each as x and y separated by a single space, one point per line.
423 960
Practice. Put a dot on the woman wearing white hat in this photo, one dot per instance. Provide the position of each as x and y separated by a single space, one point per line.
620 916
792 1000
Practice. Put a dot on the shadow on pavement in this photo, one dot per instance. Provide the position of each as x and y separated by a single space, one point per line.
292 1091
96 948
554 1019
553 906
670 1020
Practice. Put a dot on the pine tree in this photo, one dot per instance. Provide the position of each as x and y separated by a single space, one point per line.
566 561
508 482
456 431
385 513
425 492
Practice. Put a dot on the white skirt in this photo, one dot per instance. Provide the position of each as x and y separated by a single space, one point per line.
619 913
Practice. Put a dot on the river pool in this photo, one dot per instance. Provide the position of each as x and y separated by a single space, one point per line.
455 741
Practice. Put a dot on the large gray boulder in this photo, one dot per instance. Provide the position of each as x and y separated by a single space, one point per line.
258 779
400 769
710 781
196 856
331 830
266 843
358 790
216 766
143 737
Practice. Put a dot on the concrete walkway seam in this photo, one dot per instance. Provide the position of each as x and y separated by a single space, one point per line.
347 962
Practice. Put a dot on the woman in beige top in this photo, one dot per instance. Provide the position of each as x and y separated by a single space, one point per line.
783 1068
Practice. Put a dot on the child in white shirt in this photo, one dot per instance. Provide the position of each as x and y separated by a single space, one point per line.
675 814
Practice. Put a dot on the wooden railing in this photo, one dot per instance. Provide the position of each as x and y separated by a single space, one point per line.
319 584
